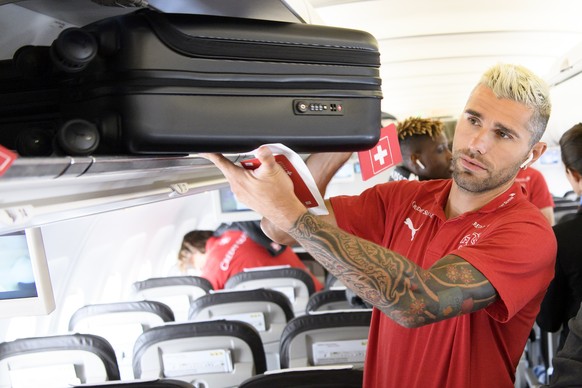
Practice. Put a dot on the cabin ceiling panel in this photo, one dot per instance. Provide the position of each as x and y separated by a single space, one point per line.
443 85
479 44
433 52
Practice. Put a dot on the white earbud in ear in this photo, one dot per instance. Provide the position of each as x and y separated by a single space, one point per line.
420 164
529 158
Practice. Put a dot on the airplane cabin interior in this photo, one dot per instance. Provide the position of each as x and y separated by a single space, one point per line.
93 226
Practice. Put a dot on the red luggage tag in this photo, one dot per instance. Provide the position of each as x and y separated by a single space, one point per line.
300 188
303 184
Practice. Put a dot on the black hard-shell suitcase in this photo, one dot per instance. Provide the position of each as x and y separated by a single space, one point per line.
149 82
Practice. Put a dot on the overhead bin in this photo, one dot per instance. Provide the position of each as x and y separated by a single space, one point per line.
567 67
37 191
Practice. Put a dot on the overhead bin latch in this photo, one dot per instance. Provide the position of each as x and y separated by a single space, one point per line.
179 188
16 215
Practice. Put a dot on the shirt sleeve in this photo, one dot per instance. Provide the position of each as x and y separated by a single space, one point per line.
362 215
510 253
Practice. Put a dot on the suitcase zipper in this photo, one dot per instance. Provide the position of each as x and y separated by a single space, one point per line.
214 47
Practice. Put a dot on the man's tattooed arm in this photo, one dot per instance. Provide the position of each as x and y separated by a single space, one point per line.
407 293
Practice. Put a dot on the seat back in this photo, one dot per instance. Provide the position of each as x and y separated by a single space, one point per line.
329 300
57 361
158 383
149 383
564 208
295 283
120 324
211 354
175 291
340 377
330 338
331 282
267 310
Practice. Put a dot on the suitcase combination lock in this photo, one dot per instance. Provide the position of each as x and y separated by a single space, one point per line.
318 107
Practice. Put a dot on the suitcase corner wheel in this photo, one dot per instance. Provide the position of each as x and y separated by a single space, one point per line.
78 137
73 50
74 137
35 142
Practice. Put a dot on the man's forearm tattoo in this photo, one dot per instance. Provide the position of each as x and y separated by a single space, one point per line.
410 295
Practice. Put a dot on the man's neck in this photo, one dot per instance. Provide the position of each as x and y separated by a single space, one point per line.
461 201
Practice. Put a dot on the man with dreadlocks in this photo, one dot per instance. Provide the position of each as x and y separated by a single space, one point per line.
425 151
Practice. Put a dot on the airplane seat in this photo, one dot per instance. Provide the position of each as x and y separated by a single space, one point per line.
565 208
157 383
331 282
311 264
295 283
268 311
175 291
57 361
210 354
327 338
329 300
120 323
314 377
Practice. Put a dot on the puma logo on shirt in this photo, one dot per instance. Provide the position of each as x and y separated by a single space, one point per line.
413 230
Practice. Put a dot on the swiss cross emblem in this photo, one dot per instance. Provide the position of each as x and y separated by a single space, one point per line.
385 154
381 156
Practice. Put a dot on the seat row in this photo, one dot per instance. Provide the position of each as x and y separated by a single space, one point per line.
211 353
178 292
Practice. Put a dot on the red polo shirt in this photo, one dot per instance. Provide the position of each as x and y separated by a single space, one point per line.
508 240
234 251
536 188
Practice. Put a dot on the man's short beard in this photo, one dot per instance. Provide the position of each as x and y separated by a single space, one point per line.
467 181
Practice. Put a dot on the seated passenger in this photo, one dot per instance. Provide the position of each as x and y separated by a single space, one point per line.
425 150
187 262
233 247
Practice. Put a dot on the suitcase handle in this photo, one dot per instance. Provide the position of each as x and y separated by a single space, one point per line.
250 50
